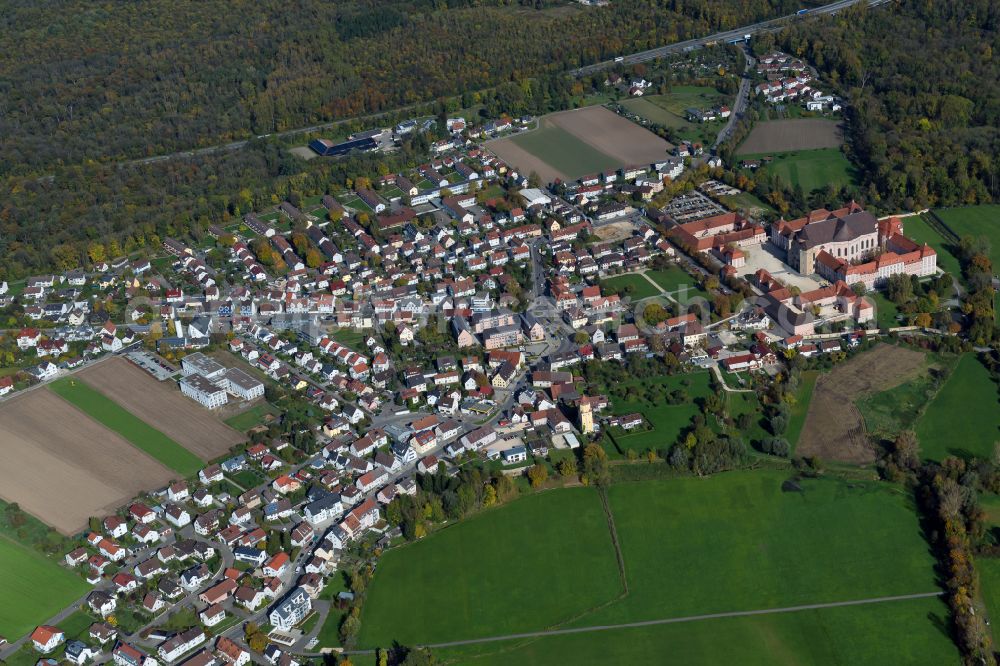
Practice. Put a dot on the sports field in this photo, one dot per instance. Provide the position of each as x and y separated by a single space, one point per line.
641 288
34 589
970 392
690 546
570 144
975 221
667 420
138 432
539 561
810 169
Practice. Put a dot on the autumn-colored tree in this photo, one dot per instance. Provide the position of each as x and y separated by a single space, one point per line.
538 474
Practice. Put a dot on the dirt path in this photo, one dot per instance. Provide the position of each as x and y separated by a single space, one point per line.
678 620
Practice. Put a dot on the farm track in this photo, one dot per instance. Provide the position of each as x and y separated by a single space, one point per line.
677 620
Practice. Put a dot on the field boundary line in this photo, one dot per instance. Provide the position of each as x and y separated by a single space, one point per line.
678 620
939 225
619 555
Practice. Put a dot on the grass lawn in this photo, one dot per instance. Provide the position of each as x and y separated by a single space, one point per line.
989 582
904 632
248 478
747 201
969 391
675 278
135 430
917 228
648 108
35 588
77 625
975 221
691 546
811 169
251 417
803 397
748 403
885 309
641 288
351 337
667 420
329 633
536 562
737 542
886 413
563 151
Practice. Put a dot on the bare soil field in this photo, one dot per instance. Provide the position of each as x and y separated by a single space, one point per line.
834 428
64 467
161 405
570 144
526 162
778 136
613 135
616 231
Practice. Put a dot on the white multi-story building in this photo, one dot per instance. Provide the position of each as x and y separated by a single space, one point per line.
292 610
242 385
204 391
199 364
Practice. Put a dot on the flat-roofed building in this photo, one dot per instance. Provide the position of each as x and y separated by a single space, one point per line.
204 391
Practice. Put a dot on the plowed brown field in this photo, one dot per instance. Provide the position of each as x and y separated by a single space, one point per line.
63 467
161 405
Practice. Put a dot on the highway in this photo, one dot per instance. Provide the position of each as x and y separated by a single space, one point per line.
772 25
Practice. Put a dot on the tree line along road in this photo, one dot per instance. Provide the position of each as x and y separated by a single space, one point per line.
771 25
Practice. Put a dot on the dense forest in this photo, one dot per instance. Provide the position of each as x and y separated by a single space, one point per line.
75 94
923 83
98 81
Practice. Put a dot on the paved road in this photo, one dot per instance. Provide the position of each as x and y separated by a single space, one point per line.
742 100
675 620
727 36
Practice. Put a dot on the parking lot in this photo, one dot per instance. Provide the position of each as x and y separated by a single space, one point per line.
153 364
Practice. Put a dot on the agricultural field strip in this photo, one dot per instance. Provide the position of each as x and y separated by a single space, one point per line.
162 406
675 620
119 420
47 442
781 136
